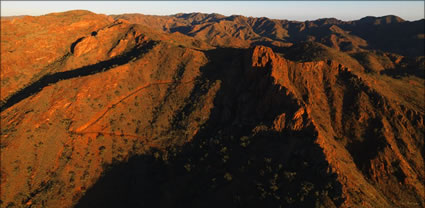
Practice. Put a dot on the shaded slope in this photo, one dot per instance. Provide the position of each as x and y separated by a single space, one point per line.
237 158
264 146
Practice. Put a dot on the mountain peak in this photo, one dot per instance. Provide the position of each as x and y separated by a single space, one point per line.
197 16
262 56
74 12
327 21
388 19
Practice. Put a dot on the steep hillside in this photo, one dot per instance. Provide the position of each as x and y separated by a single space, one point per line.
192 110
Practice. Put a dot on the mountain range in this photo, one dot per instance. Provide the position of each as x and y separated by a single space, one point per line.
207 110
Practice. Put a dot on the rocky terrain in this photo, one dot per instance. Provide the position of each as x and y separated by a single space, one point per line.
206 110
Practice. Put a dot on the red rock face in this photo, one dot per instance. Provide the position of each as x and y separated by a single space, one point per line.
186 110
382 156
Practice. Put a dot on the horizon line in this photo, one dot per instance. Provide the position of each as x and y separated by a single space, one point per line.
173 14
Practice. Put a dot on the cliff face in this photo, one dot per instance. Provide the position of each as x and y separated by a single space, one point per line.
361 128
126 115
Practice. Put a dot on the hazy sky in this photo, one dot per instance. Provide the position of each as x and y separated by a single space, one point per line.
301 10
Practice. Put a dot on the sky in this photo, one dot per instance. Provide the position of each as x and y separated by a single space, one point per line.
291 10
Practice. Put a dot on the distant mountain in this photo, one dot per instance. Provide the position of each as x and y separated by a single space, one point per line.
389 19
388 33
206 110
13 17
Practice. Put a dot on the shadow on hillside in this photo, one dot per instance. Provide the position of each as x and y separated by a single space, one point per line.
47 80
236 160
399 73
